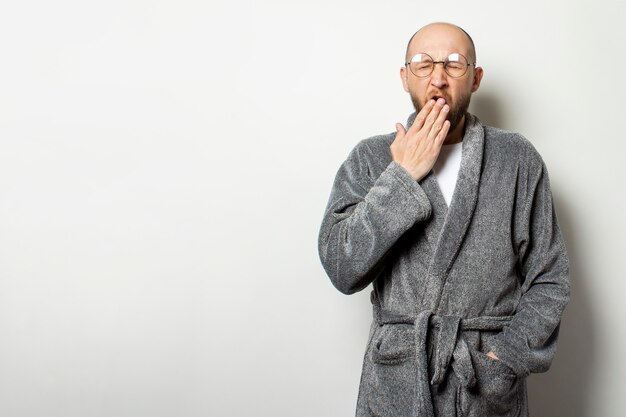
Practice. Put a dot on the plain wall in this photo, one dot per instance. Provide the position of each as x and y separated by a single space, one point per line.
164 168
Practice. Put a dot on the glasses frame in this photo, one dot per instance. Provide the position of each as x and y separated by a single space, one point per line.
443 63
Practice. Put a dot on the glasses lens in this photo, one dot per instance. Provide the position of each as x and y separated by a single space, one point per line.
421 65
456 65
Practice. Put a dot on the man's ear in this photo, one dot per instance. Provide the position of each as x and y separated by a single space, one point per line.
478 76
403 76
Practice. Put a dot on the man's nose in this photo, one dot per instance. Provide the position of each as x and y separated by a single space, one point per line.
439 78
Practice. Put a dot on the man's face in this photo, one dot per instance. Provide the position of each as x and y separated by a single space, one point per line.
439 41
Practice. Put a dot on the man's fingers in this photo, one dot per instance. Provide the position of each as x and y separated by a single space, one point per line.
433 114
492 356
421 116
438 123
400 130
400 134
442 133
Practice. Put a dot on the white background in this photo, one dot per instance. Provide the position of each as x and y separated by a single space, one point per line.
164 167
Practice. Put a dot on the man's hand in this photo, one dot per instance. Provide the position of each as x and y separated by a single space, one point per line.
417 149
493 356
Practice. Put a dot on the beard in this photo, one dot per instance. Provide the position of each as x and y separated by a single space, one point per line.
456 113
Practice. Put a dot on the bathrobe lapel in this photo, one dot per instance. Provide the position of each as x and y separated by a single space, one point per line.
433 228
448 225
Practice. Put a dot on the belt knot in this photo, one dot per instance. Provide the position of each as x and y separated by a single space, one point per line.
450 349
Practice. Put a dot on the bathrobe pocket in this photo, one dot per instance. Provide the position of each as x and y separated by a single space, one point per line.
391 384
496 392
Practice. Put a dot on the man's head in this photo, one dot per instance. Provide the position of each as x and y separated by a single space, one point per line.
440 41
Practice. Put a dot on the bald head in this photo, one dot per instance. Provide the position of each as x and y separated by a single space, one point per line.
440 32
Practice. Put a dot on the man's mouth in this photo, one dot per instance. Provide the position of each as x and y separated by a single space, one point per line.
437 98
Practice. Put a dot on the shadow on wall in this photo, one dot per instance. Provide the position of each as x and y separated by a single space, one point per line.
490 112
565 389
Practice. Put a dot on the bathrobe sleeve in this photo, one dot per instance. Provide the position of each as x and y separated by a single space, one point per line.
365 216
528 344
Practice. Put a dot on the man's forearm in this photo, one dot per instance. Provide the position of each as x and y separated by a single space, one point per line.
358 230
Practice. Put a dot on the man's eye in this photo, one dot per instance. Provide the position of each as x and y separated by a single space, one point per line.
455 65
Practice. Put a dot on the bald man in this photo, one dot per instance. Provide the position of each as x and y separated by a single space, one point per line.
452 223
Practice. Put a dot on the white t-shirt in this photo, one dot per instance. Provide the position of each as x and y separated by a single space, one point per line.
447 169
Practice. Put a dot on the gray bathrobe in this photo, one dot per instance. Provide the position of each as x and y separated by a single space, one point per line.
488 273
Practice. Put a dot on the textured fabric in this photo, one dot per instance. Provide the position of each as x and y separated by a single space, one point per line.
487 273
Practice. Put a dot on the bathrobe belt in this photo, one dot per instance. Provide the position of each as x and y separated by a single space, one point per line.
449 344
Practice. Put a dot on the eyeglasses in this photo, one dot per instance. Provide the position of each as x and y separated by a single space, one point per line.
422 65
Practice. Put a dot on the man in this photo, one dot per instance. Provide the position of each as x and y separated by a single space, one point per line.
452 223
